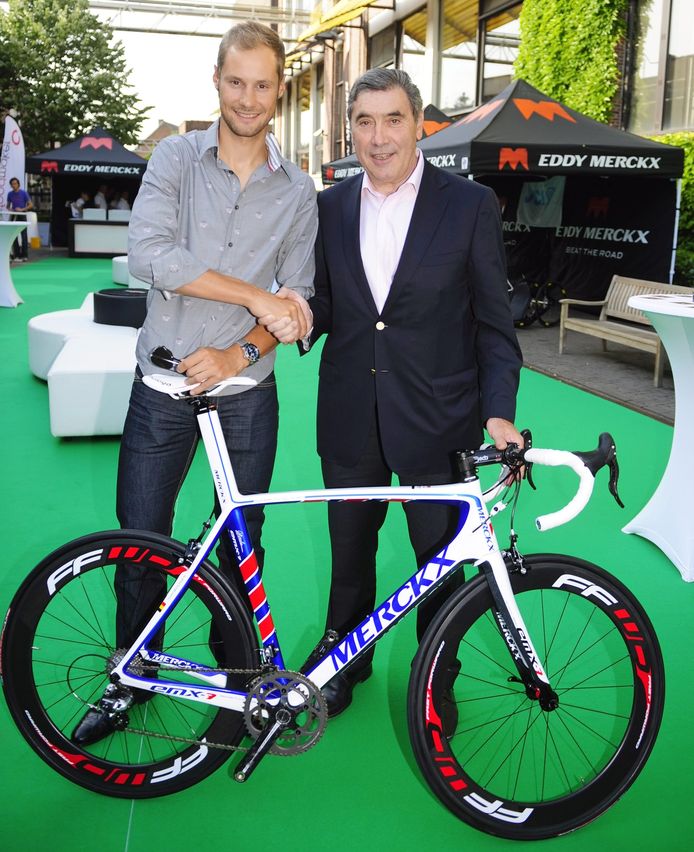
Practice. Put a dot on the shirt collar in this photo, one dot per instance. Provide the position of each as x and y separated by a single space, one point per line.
414 179
275 160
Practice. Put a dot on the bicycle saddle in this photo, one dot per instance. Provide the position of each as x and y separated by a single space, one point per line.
175 384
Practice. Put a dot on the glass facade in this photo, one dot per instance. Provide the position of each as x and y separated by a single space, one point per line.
413 41
458 55
501 35
678 112
662 94
647 49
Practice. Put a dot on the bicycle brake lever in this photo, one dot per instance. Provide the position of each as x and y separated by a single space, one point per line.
614 477
605 454
527 445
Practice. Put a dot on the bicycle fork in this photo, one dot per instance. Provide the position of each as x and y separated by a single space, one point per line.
514 632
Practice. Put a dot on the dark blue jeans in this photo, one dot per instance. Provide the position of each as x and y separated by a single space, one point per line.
159 441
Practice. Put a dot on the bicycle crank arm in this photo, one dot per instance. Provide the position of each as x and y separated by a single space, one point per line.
261 746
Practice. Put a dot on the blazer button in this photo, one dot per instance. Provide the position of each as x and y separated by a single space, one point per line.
380 325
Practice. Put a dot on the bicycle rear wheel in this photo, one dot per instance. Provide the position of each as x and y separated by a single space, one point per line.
510 768
58 650
547 305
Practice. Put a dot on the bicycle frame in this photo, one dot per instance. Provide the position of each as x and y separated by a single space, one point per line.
474 541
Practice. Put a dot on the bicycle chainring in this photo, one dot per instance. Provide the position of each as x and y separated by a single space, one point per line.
294 693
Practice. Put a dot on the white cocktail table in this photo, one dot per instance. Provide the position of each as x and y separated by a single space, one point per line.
667 518
9 231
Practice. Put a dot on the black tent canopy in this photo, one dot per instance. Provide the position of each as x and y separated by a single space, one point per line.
83 165
97 153
619 192
523 131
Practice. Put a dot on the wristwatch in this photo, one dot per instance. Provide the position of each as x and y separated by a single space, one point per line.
250 351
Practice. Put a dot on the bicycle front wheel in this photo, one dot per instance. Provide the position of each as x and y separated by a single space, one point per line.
58 650
508 767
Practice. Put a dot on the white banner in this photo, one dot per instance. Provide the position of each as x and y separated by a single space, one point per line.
12 161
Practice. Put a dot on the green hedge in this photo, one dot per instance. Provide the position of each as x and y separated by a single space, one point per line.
568 50
684 268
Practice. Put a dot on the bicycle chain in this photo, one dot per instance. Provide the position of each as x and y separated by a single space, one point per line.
222 746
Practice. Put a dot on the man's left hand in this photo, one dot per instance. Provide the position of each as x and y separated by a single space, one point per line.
503 433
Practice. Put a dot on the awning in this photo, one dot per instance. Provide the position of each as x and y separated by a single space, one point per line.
341 13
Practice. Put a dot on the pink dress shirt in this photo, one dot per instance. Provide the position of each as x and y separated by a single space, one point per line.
383 225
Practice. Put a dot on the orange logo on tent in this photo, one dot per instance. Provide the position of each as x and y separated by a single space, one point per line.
513 157
329 173
97 142
431 127
547 109
49 166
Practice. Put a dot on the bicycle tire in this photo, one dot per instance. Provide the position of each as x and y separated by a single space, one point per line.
58 647
512 769
547 305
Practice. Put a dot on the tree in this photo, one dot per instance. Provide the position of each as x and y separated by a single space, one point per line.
61 73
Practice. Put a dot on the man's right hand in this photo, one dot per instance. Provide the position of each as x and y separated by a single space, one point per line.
286 314
283 316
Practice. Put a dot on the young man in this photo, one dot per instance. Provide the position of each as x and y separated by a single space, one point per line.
220 220
19 201
411 292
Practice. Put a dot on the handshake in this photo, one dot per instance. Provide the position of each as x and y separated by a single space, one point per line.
285 314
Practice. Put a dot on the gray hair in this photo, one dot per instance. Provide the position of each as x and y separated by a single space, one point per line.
381 80
249 35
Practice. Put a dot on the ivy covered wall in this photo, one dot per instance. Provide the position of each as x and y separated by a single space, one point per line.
569 50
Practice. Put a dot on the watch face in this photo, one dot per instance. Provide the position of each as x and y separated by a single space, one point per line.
251 352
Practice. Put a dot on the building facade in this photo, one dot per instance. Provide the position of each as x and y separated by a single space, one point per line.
461 53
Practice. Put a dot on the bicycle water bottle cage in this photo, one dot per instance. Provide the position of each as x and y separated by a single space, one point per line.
605 454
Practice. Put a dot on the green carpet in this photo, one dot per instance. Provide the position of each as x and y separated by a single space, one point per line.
359 788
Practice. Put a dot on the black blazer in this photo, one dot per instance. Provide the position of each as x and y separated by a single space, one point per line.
442 357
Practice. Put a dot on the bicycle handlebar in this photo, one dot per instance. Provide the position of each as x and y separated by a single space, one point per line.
563 458
584 464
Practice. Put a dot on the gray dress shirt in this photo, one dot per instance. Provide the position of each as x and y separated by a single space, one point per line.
191 215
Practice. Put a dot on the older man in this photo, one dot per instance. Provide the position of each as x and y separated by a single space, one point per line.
421 352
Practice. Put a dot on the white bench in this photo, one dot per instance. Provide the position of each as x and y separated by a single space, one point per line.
119 269
89 367
47 334
618 322
89 385
120 274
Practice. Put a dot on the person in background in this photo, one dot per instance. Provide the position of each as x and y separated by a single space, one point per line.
77 206
120 201
18 200
100 199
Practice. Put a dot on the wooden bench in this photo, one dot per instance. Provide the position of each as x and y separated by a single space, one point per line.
618 322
